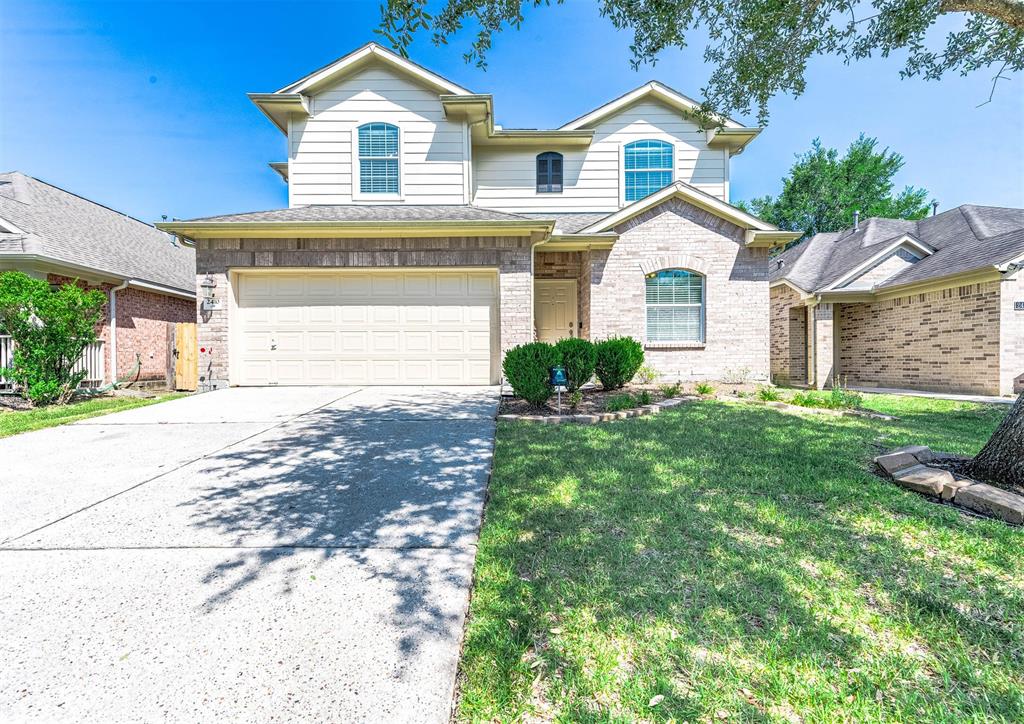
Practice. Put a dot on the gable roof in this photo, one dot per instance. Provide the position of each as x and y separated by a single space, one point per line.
63 228
348 64
966 239
651 89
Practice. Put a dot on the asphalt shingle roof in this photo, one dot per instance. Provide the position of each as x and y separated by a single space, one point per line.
384 212
571 223
965 239
63 227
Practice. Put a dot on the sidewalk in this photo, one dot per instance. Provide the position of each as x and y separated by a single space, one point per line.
984 399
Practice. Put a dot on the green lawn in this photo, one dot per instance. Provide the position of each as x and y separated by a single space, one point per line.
15 422
743 564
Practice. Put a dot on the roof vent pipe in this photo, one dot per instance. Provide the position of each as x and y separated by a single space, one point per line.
856 219
935 207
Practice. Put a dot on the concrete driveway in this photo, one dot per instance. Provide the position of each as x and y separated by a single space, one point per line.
274 554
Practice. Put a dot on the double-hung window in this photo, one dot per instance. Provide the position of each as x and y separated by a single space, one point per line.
549 173
675 306
378 159
648 167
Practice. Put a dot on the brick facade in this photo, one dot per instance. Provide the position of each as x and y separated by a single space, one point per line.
678 234
142 318
788 337
511 256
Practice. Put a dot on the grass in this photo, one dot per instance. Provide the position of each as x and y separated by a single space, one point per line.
14 422
727 562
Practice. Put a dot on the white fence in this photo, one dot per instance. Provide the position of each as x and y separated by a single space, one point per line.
91 361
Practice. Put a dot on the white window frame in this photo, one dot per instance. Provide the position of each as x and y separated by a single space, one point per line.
702 317
622 167
384 198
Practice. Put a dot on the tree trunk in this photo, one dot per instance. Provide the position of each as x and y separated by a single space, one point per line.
1002 458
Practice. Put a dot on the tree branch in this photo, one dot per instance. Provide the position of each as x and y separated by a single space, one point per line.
1010 12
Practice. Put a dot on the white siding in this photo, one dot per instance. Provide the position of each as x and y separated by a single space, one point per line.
432 148
592 177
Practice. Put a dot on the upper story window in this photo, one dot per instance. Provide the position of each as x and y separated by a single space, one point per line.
675 306
549 172
378 159
648 167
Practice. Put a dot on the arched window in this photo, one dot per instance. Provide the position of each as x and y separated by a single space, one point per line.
648 167
675 306
549 173
378 158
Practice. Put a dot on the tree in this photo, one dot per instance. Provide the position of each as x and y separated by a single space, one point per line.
823 190
759 48
50 328
1002 458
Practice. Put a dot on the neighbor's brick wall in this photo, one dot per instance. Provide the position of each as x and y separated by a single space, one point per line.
512 256
788 336
142 319
736 290
1011 332
946 341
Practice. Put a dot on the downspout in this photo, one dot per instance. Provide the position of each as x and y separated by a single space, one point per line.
113 327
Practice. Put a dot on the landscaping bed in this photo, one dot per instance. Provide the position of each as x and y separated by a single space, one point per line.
725 562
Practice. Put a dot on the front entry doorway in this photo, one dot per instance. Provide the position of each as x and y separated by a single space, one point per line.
554 309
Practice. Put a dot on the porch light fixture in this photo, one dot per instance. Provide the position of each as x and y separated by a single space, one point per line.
208 284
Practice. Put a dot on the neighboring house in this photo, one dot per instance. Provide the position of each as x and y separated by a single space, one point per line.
422 240
935 304
148 277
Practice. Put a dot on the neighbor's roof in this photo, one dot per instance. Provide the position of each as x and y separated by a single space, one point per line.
375 213
965 239
42 220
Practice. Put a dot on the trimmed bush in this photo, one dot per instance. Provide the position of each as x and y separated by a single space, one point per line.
618 360
528 369
579 357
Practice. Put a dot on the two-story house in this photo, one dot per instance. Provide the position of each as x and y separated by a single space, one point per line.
422 240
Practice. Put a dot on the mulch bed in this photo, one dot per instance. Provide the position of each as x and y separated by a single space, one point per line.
14 402
595 399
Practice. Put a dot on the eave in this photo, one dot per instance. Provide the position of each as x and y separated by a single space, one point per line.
655 89
769 238
194 230
65 268
278 106
478 111
578 242
281 168
733 139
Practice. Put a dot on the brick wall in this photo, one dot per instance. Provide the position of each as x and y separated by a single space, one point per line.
947 340
142 318
736 290
512 256
788 336
1011 333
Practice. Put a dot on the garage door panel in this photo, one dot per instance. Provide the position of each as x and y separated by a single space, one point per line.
361 327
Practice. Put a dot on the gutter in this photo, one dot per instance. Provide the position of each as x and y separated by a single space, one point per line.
192 230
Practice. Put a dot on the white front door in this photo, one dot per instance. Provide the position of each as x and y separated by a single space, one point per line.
366 327
554 309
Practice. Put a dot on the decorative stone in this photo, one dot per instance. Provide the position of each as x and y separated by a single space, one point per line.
923 479
949 490
992 501
587 419
923 453
892 463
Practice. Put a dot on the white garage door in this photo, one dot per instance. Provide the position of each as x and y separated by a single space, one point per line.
366 327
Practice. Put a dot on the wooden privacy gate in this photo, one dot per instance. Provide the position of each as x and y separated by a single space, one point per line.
183 360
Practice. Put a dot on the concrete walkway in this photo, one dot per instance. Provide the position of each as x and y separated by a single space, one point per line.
983 399
277 554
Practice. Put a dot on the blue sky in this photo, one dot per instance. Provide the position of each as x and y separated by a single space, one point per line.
141 105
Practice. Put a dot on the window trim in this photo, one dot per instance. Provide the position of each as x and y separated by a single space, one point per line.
702 334
549 156
623 201
370 196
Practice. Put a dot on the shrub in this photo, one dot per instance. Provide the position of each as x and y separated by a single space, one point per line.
808 399
618 360
769 394
625 401
738 376
646 375
528 370
50 329
575 398
842 398
672 390
644 398
703 388
578 356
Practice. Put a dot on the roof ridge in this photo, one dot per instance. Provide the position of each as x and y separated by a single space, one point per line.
88 201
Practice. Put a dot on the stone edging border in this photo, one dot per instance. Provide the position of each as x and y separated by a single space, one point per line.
601 416
786 407
909 467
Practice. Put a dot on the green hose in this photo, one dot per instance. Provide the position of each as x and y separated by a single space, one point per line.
116 383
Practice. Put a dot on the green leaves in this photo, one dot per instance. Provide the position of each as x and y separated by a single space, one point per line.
50 329
823 190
